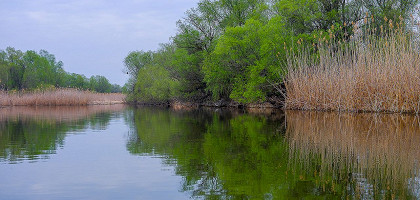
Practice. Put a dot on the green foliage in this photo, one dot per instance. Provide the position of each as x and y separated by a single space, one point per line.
155 80
31 70
76 81
187 70
236 49
100 84
154 84
40 69
247 61
134 61
398 11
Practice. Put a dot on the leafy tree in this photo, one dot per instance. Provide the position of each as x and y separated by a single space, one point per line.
134 61
156 80
115 88
14 60
99 84
382 11
30 70
197 35
247 61
76 81
236 49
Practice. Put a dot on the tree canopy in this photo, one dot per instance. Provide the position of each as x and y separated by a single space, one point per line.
30 70
237 49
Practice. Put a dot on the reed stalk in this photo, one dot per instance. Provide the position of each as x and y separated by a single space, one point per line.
373 72
58 97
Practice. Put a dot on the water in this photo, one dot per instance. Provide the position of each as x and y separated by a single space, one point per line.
118 152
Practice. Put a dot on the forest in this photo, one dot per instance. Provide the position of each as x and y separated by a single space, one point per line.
40 70
247 51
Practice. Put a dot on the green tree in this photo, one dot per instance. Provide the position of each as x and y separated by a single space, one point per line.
133 62
197 36
76 81
14 60
156 81
398 11
115 88
248 61
99 84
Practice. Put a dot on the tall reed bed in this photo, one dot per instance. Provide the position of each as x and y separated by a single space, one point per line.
58 97
377 72
56 113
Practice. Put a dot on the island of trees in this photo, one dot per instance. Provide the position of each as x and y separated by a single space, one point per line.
303 54
31 70
37 79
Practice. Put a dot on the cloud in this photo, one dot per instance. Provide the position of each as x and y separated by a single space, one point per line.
90 37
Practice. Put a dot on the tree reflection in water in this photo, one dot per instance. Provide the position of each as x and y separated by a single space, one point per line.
229 154
32 133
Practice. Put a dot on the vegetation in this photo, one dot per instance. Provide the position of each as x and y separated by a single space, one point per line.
58 97
31 70
379 72
239 50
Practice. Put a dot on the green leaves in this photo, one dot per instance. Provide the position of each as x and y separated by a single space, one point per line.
246 59
237 49
32 70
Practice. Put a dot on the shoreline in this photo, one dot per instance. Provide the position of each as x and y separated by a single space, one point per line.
209 104
177 105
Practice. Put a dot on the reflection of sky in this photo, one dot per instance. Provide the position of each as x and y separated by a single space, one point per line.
95 165
91 37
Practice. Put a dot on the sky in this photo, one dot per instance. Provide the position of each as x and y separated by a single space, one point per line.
91 37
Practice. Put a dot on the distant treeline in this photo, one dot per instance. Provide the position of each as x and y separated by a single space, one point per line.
31 70
239 49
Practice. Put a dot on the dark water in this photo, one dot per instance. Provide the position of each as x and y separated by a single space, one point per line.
117 152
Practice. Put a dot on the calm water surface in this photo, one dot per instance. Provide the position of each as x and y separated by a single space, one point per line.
118 152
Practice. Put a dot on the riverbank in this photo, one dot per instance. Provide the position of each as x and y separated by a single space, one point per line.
59 97
274 104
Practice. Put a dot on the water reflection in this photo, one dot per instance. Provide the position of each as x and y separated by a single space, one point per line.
224 154
217 154
368 155
32 133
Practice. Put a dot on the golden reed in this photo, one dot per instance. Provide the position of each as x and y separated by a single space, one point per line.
58 97
373 73
56 113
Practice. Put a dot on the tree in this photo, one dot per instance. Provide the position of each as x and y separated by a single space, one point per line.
99 84
115 88
398 11
134 61
248 62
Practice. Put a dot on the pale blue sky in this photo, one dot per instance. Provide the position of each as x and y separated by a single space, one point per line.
91 37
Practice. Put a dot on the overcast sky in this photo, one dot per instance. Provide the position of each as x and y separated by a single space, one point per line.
91 37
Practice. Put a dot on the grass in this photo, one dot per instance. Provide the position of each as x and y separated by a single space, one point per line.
369 74
58 97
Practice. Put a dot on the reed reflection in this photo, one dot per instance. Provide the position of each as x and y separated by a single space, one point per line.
376 156
32 133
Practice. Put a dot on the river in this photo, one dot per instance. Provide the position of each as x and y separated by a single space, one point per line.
122 152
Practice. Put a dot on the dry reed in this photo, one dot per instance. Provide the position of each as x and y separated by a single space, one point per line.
58 97
57 113
370 73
